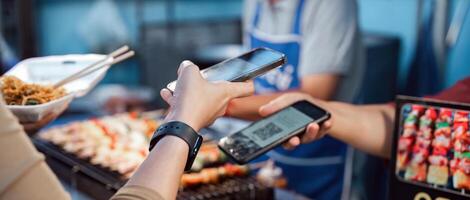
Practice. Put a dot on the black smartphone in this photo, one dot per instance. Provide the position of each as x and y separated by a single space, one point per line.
244 67
264 135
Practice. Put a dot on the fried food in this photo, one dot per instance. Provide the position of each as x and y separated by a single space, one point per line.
18 92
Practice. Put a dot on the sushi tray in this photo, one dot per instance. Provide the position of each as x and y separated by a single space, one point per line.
431 150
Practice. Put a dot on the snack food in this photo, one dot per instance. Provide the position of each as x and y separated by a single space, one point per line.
407 139
460 165
438 172
118 142
17 92
434 147
213 175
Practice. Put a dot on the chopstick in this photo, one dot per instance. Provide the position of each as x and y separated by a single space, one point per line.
118 55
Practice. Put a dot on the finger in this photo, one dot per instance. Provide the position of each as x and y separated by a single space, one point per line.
189 71
324 128
166 95
292 143
240 89
279 103
311 133
326 125
183 65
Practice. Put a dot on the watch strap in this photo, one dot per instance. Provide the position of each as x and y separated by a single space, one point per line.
183 131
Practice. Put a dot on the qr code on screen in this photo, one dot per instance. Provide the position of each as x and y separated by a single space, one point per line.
267 131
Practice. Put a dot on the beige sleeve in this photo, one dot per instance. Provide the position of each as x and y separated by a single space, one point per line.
25 175
136 193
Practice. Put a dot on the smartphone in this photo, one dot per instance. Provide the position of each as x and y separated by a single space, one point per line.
266 134
244 67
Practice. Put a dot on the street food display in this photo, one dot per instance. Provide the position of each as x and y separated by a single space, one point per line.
434 147
18 92
118 144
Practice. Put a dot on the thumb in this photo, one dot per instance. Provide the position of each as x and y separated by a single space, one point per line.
167 96
280 103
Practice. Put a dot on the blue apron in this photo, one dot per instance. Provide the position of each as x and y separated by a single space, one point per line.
316 169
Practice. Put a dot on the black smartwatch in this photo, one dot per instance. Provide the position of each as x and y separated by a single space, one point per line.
183 131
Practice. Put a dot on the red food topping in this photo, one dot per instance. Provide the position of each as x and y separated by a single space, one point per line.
463 126
445 112
438 160
404 144
107 132
461 116
464 166
440 151
453 165
418 108
431 113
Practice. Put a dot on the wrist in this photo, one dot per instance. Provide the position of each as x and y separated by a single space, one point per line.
177 116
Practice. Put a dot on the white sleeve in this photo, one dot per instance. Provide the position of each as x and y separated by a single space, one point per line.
330 32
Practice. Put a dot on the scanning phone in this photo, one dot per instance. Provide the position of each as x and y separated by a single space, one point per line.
264 135
244 67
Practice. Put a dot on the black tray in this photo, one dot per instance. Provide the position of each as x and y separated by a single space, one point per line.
102 183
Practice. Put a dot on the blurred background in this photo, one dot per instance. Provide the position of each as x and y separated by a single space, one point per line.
166 32
414 47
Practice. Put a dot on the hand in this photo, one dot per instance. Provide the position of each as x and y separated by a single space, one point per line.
198 102
313 131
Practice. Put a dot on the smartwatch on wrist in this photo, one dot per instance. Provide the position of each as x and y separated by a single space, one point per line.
183 131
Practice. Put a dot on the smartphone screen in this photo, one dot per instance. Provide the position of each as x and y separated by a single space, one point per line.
263 135
243 67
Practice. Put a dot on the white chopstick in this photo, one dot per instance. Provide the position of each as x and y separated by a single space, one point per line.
116 56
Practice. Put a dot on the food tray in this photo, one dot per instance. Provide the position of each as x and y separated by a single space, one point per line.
427 129
101 183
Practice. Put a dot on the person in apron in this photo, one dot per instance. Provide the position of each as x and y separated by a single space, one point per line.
316 169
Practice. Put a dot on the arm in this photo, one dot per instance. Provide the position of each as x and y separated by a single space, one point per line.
162 169
195 102
22 167
368 128
248 107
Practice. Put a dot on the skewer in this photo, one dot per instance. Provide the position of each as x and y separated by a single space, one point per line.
97 65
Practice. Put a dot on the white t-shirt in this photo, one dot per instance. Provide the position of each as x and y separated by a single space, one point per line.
331 40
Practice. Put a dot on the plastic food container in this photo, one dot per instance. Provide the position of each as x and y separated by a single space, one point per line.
50 70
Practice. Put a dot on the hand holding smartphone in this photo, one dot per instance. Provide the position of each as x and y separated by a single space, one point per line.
244 67
266 134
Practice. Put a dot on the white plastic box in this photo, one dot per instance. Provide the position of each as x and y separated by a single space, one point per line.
50 70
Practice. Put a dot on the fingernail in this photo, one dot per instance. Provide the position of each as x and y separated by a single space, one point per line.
261 108
186 63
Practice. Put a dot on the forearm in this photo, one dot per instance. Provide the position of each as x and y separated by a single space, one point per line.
22 167
368 128
162 169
